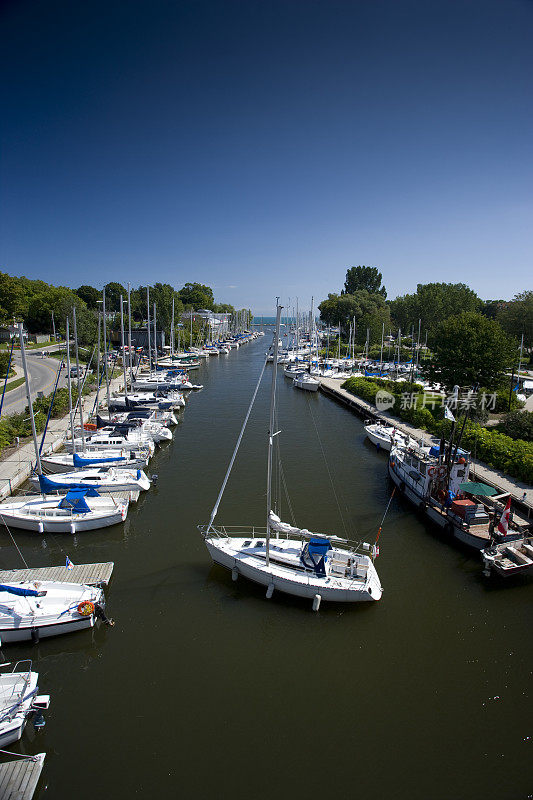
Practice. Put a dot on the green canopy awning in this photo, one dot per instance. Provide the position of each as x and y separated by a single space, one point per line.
477 488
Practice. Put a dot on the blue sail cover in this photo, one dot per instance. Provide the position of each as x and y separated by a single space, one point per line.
78 461
316 553
19 591
46 485
75 499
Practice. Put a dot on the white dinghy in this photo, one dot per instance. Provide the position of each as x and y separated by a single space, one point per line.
290 559
31 611
18 701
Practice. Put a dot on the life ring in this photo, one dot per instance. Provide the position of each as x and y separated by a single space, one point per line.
432 471
86 608
90 426
442 471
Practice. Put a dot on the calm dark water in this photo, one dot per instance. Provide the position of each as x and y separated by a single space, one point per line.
205 689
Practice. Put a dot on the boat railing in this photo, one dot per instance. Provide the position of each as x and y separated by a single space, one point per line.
352 546
14 691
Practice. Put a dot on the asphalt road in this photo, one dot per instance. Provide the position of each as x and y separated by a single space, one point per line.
43 372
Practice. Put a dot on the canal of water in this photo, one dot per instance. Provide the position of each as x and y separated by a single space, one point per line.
205 689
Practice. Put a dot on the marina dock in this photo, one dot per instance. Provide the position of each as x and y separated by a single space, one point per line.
18 779
98 574
492 477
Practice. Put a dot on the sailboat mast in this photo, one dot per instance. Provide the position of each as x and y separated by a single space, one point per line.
98 365
122 343
78 377
70 391
172 331
148 327
105 350
28 396
271 427
130 361
155 338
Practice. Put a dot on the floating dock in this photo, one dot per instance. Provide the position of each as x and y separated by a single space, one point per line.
90 574
18 779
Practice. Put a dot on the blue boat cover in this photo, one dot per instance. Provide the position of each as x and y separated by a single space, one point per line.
435 450
75 499
20 592
316 552
46 485
78 461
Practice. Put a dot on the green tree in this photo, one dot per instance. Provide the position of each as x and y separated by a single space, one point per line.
470 349
370 311
13 298
89 295
432 304
516 317
518 425
197 296
113 290
364 278
223 308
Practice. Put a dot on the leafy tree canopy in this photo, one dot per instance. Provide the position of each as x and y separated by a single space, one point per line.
89 295
432 304
196 295
470 349
516 317
368 310
113 290
364 278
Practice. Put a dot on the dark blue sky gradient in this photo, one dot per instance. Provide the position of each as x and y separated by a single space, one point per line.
263 147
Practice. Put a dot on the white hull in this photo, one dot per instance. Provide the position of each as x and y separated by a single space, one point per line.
45 517
444 523
286 580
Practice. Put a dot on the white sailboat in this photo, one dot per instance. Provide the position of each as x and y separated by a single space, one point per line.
18 701
103 480
30 611
286 558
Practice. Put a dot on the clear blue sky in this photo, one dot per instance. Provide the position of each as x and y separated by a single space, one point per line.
262 147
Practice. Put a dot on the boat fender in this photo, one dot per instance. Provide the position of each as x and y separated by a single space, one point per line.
234 574
35 636
269 591
402 486
86 608
73 527
41 527
316 602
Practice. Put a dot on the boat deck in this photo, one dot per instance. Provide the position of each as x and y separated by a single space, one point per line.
90 574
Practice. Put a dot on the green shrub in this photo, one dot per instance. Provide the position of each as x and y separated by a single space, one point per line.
518 425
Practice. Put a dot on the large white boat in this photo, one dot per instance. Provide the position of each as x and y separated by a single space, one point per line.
306 382
78 510
103 480
104 459
286 558
383 436
437 484
30 611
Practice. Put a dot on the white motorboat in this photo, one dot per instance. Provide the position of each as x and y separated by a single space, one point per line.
30 611
79 510
105 459
18 701
286 558
109 438
306 382
383 436
103 480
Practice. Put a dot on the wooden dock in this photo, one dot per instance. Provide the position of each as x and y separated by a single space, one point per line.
91 574
18 779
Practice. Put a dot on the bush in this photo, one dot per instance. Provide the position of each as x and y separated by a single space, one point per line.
518 425
494 447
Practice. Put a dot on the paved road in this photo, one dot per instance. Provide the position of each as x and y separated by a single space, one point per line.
43 373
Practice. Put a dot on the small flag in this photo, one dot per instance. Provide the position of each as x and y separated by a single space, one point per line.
503 524
448 414
69 564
